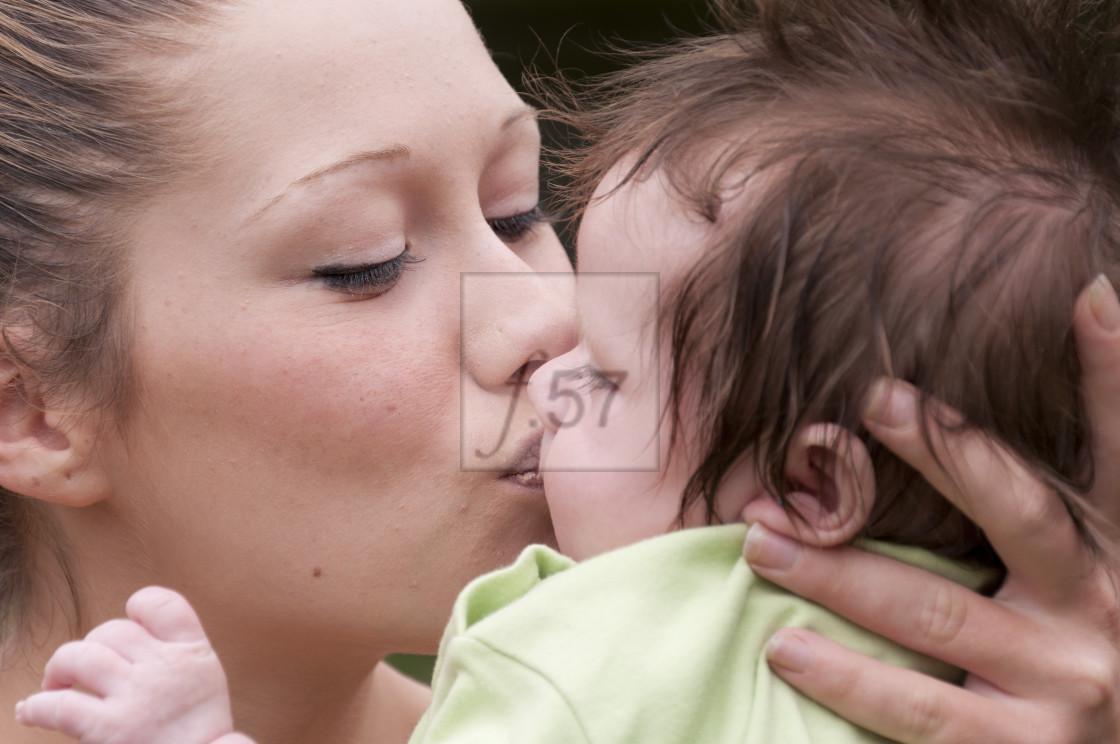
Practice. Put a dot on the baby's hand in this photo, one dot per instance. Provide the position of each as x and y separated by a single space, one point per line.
151 679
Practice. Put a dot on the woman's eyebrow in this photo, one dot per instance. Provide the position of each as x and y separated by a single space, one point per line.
358 158
390 153
387 154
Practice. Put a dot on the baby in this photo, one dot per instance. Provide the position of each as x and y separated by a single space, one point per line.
782 214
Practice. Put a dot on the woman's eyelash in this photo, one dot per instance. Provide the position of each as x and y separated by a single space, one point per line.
514 228
368 280
374 279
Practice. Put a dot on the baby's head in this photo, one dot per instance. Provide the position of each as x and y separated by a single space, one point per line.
857 191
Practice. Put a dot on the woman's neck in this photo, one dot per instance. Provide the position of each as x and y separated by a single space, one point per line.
383 709
277 706
283 692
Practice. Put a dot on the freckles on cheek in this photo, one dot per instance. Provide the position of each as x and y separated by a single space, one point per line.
393 394
320 385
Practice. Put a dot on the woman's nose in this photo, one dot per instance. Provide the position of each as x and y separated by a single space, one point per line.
515 319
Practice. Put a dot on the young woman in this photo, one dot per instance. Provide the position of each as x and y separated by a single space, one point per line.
235 365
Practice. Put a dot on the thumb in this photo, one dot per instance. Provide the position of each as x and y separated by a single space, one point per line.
1096 325
165 614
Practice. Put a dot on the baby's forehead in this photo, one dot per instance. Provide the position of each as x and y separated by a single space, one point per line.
641 224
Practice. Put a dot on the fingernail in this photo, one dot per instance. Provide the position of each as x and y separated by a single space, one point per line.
1103 303
889 405
789 652
19 711
768 551
877 400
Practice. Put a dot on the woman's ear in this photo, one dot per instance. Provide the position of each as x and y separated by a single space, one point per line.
831 486
45 454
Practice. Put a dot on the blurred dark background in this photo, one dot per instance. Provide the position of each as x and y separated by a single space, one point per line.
539 32
572 35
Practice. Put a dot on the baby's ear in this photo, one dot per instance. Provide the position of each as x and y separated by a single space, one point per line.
831 486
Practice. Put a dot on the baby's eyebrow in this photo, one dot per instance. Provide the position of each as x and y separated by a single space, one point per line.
529 112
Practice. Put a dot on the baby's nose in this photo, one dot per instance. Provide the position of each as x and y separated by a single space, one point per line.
550 393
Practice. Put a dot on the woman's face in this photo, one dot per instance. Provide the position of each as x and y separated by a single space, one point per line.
304 455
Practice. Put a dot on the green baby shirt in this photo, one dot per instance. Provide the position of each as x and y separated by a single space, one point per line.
657 642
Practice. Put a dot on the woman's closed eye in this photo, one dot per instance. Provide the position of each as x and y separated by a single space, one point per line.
366 280
516 227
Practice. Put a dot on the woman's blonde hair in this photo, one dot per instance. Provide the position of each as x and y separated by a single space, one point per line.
86 133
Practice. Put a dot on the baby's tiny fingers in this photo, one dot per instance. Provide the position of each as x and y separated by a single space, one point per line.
68 711
129 639
91 665
166 614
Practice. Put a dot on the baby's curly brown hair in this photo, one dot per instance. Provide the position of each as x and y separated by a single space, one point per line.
917 189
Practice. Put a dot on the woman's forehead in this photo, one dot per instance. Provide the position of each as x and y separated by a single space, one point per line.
274 65
282 92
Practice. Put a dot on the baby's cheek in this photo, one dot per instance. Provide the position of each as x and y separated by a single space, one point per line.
579 514
569 495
